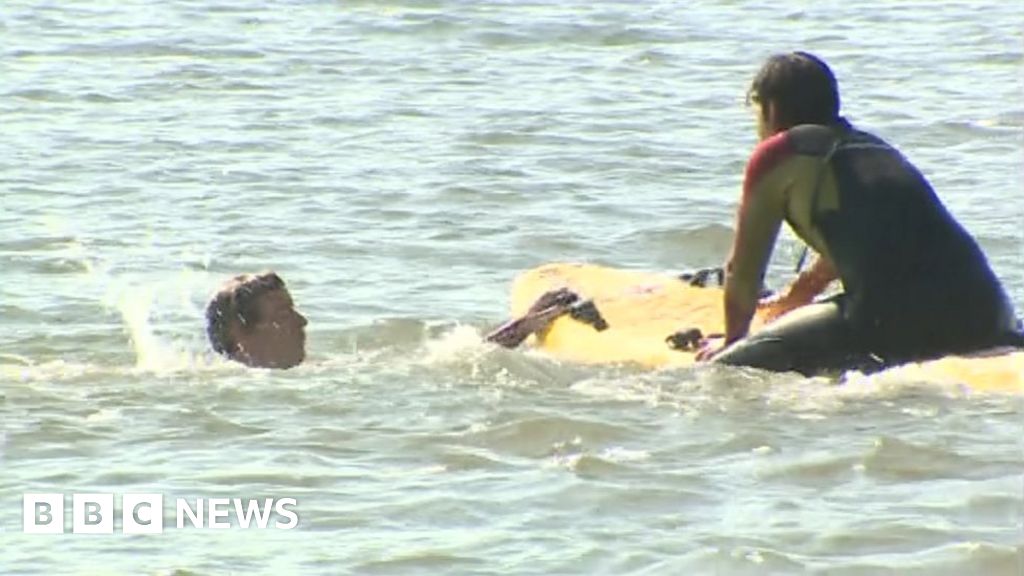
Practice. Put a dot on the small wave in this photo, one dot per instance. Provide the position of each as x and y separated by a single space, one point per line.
463 458
747 559
604 463
899 460
135 50
976 128
25 370
98 98
708 243
422 562
617 389
612 35
40 95
820 472
650 57
535 436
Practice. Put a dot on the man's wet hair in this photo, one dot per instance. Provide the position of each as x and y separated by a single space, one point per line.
237 300
801 87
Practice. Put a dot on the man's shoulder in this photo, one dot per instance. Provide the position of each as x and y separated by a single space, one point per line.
812 139
770 154
819 140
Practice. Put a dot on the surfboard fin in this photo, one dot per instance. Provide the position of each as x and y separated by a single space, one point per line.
700 278
703 277
687 339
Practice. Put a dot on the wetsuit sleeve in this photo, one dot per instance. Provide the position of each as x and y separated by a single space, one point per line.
760 214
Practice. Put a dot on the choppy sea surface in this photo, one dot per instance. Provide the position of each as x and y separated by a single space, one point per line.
398 163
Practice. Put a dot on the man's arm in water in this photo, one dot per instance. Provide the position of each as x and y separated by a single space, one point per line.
548 308
513 332
544 311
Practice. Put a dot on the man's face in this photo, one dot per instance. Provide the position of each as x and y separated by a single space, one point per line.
764 112
278 338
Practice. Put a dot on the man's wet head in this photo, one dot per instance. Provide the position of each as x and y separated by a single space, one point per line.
252 320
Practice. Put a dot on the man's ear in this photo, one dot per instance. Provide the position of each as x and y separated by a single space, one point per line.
771 118
768 111
236 334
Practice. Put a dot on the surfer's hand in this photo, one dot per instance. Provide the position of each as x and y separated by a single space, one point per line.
709 348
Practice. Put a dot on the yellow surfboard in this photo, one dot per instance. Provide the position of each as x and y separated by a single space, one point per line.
642 309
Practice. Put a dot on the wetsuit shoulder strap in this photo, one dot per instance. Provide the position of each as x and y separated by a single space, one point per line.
848 138
822 167
816 194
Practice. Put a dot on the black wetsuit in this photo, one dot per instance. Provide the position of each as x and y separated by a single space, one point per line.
915 283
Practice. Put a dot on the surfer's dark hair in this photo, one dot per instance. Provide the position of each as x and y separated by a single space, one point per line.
800 86
236 301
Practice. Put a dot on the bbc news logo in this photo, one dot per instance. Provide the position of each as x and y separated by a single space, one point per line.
144 513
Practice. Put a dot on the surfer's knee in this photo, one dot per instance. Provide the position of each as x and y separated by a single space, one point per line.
810 340
252 319
765 353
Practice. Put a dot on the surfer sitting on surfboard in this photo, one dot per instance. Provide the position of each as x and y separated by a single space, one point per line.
915 283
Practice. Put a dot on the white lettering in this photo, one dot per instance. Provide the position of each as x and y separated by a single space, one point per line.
142 513
92 513
42 513
262 516
217 508
138 518
282 510
184 510
43 516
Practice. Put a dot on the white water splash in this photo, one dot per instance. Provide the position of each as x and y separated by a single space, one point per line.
462 344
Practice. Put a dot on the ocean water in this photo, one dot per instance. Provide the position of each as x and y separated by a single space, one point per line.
398 163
